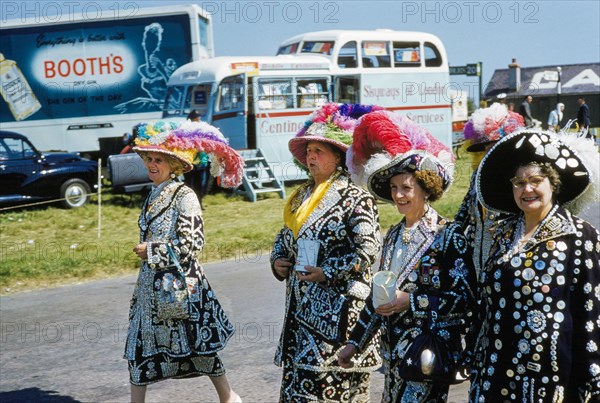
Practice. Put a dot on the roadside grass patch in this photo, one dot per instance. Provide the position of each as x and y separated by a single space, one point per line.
40 247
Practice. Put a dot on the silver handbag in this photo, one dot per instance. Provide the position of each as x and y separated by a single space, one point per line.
170 291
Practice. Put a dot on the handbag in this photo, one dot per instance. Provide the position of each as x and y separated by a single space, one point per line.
324 313
170 291
429 358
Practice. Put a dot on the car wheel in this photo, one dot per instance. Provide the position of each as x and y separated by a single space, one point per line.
75 193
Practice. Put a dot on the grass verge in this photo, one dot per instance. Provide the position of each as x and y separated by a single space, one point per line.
41 247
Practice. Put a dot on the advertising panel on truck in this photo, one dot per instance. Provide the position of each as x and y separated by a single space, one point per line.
67 82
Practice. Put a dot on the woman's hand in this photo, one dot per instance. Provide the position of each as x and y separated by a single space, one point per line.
399 304
141 250
312 275
345 356
282 267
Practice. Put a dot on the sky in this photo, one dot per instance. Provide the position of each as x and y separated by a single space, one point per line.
536 33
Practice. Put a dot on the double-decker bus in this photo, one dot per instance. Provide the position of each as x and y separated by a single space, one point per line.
261 102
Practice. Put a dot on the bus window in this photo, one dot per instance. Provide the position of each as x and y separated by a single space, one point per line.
197 99
346 90
187 100
288 49
348 56
250 97
407 54
204 27
173 101
375 54
432 55
323 48
231 94
275 94
312 92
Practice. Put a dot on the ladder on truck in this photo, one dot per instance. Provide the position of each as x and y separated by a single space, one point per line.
258 176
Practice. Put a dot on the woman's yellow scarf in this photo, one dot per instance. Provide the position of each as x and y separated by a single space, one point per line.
297 211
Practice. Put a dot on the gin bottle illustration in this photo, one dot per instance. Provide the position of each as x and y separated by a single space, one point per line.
16 91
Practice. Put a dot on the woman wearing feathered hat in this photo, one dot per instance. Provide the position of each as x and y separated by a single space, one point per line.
176 324
324 253
540 289
424 254
485 127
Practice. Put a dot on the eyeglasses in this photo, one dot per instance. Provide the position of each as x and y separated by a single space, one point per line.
534 181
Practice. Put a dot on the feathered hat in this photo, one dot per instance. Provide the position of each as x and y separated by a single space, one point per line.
574 158
386 143
190 142
487 125
333 124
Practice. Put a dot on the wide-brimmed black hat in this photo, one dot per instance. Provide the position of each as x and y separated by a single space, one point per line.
415 160
523 147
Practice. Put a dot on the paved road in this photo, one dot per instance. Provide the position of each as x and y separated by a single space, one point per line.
65 344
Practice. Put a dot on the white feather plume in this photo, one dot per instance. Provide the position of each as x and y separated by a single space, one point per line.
588 152
484 117
361 176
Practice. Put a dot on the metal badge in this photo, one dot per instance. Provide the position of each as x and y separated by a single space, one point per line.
528 274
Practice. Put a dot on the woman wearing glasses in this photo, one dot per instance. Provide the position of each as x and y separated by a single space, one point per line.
540 289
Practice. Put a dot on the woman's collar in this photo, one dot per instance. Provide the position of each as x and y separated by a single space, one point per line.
558 222
429 221
155 189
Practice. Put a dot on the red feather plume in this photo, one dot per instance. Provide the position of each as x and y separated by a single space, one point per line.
376 133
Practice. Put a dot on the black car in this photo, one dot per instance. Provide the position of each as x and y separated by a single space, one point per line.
27 175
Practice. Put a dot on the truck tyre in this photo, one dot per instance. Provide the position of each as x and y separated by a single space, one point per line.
75 193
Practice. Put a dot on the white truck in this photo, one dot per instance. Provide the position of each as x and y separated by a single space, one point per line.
69 81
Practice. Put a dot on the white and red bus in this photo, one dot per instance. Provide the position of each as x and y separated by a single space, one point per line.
261 102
